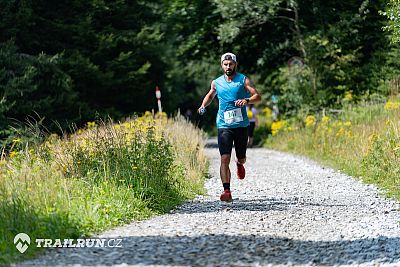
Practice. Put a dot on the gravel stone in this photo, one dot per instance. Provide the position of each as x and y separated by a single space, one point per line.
288 211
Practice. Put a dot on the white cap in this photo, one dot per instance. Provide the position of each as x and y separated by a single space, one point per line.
228 56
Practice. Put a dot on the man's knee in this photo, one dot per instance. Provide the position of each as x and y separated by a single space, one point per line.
225 159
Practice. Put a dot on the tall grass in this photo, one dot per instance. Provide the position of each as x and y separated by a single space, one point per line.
105 175
363 141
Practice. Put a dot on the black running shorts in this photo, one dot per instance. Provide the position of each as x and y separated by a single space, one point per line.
229 136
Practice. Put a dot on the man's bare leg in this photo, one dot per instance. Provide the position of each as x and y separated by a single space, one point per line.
225 174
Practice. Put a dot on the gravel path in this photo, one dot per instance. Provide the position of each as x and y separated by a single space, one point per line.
288 211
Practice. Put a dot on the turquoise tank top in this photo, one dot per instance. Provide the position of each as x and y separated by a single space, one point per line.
229 115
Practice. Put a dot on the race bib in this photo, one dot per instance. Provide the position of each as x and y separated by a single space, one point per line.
234 115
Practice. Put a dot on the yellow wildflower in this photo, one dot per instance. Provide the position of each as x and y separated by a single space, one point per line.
390 105
347 123
340 132
16 140
148 114
276 126
326 119
91 124
337 124
267 112
13 154
309 120
349 133
348 95
162 114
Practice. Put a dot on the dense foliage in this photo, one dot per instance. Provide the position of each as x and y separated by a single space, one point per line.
73 61
393 14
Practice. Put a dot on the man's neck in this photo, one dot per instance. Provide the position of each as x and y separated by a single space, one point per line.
230 78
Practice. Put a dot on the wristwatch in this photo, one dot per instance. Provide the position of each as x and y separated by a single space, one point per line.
247 100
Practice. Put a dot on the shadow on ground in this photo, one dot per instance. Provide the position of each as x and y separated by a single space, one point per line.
264 204
228 250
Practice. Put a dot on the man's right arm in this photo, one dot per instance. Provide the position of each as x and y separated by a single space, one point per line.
209 96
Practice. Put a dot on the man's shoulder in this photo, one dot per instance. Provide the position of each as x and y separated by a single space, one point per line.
241 76
220 78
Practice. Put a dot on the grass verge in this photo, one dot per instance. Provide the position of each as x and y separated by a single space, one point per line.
100 177
362 141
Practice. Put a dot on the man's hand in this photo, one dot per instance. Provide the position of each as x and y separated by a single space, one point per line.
240 102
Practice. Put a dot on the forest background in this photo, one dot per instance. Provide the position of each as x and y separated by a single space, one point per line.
65 63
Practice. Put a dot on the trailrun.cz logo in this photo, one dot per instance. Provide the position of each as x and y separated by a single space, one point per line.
22 241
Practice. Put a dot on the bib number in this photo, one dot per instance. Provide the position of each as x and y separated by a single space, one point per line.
234 115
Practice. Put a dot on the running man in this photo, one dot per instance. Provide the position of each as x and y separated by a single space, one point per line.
231 90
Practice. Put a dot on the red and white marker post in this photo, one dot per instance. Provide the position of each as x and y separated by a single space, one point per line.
158 96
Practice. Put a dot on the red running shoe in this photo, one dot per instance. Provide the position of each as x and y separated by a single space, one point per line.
226 196
241 172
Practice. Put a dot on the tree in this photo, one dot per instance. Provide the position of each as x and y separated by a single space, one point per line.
34 85
113 51
393 15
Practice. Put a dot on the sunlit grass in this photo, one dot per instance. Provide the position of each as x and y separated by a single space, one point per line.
99 177
363 141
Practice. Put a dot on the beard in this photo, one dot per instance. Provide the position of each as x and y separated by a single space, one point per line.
230 72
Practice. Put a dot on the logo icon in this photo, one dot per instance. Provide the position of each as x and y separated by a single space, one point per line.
22 242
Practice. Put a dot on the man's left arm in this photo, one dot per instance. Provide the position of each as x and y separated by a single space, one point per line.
254 95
